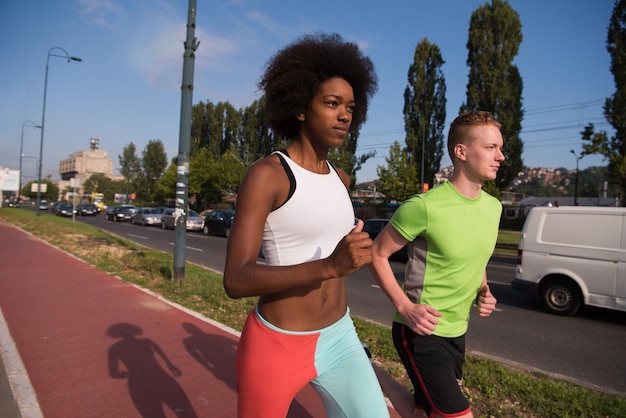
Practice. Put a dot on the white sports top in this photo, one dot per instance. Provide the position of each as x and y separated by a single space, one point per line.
310 224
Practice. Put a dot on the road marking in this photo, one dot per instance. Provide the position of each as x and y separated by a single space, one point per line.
137 236
191 248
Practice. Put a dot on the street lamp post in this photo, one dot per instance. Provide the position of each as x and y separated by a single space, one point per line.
43 114
576 180
19 180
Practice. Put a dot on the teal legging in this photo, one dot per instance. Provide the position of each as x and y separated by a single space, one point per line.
273 365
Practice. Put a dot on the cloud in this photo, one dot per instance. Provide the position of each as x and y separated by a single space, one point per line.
158 55
102 13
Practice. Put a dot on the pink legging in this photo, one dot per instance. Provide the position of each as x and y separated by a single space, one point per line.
273 365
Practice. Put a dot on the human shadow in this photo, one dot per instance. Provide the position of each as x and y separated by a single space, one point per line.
151 388
217 354
214 352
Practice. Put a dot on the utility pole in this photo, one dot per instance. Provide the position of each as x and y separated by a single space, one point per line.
576 181
184 140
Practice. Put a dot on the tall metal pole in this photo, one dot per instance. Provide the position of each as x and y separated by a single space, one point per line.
184 140
43 114
19 180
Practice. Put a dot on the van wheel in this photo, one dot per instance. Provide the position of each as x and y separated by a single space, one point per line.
561 296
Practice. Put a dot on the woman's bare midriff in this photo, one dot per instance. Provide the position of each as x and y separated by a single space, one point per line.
306 309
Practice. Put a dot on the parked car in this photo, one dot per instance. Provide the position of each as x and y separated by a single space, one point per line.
219 222
194 222
120 213
13 203
374 226
54 207
204 213
86 209
167 219
146 216
65 210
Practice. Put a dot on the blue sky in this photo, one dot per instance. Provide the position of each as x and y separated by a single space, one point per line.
127 87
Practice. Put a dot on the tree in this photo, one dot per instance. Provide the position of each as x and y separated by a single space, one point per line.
99 183
130 165
614 148
256 139
153 164
230 171
425 111
398 181
214 127
166 187
494 82
51 193
203 177
344 157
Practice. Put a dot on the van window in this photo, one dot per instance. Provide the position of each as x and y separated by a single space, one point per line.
585 230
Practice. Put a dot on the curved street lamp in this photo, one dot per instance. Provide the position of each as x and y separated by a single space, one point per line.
19 180
43 114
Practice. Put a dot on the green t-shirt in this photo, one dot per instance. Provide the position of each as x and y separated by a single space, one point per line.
451 240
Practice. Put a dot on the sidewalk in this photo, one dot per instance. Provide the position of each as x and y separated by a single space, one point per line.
77 342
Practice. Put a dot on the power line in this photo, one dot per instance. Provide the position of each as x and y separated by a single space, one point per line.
538 111
560 108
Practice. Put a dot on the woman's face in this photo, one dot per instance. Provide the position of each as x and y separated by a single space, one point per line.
328 118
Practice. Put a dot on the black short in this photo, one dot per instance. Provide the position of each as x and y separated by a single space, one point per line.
435 366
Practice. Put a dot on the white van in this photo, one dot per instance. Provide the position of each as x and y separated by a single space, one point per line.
571 256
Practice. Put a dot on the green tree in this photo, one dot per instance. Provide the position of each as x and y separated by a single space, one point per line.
51 194
425 110
256 139
494 82
614 148
229 171
153 164
344 157
398 180
203 180
214 127
99 183
130 166
199 127
166 187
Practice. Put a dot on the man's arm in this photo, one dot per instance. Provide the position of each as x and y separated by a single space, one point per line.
422 319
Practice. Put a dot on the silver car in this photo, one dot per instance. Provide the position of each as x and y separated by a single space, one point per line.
146 216
194 221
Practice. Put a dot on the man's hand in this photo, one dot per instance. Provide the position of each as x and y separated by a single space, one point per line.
422 319
485 301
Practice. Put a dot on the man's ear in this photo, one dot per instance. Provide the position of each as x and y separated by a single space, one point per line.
300 117
460 152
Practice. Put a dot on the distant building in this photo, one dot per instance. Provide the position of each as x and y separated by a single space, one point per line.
83 164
